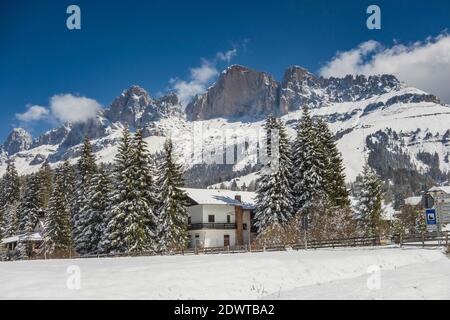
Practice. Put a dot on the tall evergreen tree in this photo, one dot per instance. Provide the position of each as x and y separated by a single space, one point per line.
81 220
308 168
45 183
144 186
10 223
129 211
94 211
9 199
369 204
57 228
274 198
173 216
333 167
68 181
30 205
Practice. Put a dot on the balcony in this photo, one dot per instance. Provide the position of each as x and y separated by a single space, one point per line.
212 225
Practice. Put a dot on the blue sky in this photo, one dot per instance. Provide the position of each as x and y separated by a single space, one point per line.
151 42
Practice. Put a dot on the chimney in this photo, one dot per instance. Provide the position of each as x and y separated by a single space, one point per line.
239 214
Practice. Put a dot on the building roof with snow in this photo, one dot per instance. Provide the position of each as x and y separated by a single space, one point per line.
222 197
413 201
23 238
444 189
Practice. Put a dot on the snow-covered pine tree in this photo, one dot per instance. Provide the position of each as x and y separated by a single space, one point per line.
274 198
81 221
333 167
95 210
10 220
128 212
172 211
369 205
45 183
308 169
9 199
30 206
145 190
57 228
68 180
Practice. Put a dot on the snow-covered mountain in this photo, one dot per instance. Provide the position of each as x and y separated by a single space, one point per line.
361 110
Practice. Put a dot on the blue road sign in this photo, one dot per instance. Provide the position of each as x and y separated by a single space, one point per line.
431 216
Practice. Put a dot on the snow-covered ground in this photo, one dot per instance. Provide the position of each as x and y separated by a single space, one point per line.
372 273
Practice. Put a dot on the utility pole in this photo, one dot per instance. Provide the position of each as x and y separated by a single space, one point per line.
438 218
305 229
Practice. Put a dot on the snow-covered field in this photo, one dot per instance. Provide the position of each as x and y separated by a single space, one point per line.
363 273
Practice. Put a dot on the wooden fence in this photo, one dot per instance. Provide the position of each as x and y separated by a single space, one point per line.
313 244
413 240
431 239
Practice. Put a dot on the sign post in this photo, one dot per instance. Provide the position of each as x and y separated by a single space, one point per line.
431 220
431 216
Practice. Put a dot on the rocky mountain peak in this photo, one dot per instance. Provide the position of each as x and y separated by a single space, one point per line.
239 91
54 136
300 87
297 74
129 106
170 98
18 140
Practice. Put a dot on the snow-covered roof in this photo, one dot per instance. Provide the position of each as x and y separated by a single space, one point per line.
413 201
23 237
223 197
445 189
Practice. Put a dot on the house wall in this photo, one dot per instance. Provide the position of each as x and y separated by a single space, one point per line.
196 213
220 213
199 213
211 238
214 237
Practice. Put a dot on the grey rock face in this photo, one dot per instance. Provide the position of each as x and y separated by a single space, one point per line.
93 128
129 106
53 137
137 108
354 88
239 91
300 87
167 106
38 159
18 140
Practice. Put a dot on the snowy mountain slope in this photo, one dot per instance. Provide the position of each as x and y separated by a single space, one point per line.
354 107
422 126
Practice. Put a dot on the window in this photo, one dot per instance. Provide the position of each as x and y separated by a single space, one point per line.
189 220
228 218
197 236
211 218
244 226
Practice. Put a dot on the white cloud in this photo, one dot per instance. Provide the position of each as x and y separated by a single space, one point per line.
205 73
34 113
423 64
62 108
67 107
200 77
226 56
